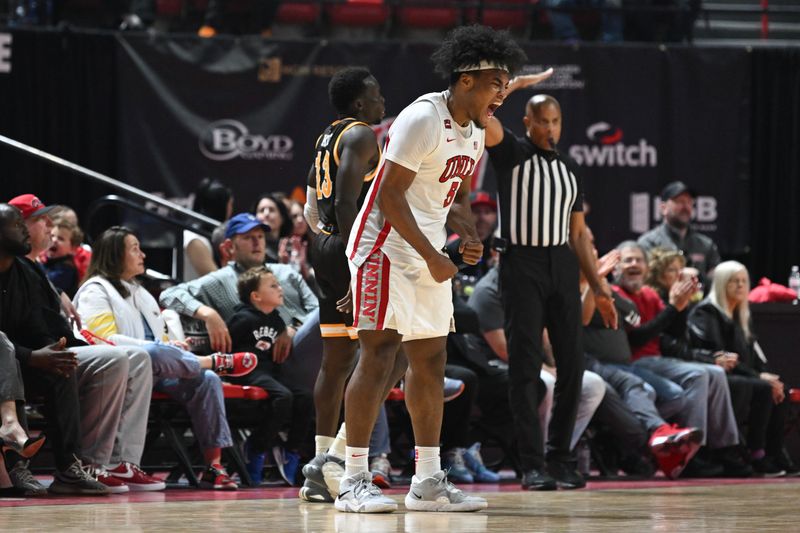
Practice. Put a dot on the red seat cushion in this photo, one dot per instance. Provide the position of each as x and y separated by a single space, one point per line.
428 17
229 391
358 13
297 13
255 393
513 16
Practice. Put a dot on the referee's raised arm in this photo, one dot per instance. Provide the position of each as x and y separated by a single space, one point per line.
494 129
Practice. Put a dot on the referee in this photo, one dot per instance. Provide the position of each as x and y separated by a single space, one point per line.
542 224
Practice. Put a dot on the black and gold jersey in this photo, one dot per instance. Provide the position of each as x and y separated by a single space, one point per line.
326 166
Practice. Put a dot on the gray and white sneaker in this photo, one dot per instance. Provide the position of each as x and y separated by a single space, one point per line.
359 495
437 494
333 472
314 488
22 480
77 479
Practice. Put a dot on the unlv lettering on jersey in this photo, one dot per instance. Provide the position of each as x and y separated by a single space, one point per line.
459 166
371 282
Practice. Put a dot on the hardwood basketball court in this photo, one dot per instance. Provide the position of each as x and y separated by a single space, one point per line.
620 507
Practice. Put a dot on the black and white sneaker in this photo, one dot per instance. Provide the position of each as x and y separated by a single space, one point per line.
314 488
24 482
77 479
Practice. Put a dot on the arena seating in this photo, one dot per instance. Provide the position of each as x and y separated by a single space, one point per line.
447 14
360 13
300 13
169 419
502 14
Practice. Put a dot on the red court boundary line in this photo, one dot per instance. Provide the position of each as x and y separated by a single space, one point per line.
195 495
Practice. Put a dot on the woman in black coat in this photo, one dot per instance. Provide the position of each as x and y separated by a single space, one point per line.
721 324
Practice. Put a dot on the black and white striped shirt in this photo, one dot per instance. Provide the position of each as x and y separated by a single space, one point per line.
538 192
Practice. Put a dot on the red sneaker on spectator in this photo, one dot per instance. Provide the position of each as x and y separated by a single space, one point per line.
673 447
216 478
667 438
114 485
136 478
233 364
672 464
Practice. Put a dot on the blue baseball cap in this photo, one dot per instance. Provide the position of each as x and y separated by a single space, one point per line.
242 223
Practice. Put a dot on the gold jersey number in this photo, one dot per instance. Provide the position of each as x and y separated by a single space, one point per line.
324 183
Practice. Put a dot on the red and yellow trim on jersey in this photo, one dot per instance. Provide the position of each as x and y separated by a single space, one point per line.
337 331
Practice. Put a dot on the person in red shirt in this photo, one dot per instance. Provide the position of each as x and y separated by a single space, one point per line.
706 388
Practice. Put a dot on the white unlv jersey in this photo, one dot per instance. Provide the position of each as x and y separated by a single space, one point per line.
424 138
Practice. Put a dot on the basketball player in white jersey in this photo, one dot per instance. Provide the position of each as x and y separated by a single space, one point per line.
400 275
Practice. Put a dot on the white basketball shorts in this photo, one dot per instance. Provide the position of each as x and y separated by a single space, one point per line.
401 297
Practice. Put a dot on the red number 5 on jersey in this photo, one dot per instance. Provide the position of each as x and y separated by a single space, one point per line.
451 194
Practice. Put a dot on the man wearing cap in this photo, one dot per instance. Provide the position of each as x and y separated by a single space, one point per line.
212 298
676 233
37 218
109 438
113 383
484 210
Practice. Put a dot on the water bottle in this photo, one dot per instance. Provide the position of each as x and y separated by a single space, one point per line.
794 281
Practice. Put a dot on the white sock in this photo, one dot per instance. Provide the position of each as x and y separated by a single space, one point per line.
427 463
337 449
322 443
356 461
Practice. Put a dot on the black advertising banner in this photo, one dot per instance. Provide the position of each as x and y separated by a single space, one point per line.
245 111
634 118
162 111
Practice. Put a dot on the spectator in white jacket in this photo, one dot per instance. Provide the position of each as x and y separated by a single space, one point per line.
117 310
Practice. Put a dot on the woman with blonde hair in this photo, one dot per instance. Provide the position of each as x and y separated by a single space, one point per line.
722 323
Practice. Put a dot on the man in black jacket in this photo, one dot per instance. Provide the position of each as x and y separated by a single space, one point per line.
84 387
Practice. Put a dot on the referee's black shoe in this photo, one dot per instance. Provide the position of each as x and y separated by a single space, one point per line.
536 479
565 475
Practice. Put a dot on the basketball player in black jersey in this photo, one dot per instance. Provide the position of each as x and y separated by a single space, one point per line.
345 160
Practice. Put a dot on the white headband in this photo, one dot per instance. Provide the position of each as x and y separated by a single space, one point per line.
483 65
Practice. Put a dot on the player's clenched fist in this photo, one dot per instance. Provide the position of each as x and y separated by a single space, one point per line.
471 251
441 268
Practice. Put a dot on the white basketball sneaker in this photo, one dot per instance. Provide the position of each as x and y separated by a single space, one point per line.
357 494
437 494
332 473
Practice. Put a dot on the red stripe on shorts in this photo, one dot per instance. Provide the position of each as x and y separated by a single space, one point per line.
385 267
357 302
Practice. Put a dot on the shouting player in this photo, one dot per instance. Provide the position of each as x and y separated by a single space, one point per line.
345 161
400 275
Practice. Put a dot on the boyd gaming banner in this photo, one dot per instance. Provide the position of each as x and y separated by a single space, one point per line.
248 111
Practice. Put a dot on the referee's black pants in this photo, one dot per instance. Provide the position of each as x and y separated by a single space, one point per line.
539 288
